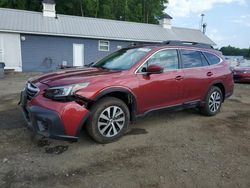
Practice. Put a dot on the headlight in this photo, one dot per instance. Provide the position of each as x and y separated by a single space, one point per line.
64 91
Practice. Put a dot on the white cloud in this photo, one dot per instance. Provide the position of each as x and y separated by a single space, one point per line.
183 8
214 31
216 36
242 20
222 39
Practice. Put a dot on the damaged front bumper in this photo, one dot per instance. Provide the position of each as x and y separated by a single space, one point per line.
53 119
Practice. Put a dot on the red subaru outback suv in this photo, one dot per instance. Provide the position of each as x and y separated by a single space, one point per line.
106 96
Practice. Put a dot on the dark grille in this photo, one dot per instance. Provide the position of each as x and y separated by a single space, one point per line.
31 90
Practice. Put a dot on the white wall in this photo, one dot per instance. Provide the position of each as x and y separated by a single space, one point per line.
1 49
166 23
10 51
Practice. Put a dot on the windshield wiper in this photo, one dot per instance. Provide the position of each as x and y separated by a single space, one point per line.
104 68
100 67
90 65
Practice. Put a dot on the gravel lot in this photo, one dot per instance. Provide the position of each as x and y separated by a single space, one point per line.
165 149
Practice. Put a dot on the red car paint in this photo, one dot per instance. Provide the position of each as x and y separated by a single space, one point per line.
241 74
153 91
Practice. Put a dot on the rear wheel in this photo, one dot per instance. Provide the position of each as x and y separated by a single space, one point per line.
213 102
109 120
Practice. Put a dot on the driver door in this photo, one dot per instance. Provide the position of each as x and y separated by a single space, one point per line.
160 90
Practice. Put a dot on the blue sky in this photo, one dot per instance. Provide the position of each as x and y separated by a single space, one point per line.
228 21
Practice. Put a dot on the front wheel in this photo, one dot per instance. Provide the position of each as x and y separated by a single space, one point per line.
213 102
109 120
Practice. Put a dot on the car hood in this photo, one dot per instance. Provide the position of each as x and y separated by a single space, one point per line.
71 76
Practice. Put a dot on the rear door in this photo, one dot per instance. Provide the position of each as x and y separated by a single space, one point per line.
160 90
196 75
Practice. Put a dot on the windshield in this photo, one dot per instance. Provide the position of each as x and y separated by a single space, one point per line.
123 59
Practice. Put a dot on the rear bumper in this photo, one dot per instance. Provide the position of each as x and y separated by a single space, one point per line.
58 120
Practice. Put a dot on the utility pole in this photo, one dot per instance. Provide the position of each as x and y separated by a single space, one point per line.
202 19
81 1
204 28
125 10
144 11
97 8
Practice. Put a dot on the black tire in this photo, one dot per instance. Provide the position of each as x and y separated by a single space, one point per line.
96 123
212 107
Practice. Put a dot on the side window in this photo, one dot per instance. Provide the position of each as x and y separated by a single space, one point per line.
191 59
167 59
213 59
204 60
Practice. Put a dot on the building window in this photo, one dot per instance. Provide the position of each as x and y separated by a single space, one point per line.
104 45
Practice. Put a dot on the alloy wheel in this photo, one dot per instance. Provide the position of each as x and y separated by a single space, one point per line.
214 101
111 121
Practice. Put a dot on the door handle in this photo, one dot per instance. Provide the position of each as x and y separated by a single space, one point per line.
178 78
209 74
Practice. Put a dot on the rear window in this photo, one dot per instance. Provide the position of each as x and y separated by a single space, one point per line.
213 59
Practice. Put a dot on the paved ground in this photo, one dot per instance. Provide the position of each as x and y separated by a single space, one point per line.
177 149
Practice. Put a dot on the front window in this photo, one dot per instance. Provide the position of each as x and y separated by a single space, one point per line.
123 59
167 59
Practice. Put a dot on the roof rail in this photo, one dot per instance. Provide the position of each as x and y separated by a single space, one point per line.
174 43
187 43
141 44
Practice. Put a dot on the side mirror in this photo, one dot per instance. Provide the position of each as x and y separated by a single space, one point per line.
154 69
